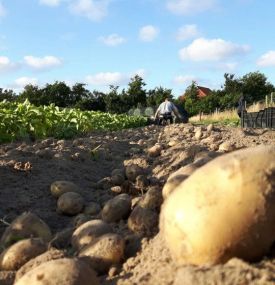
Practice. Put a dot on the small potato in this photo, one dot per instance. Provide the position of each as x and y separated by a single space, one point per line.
51 254
92 209
64 271
25 226
143 221
118 171
58 188
176 178
70 203
133 171
19 253
223 210
104 252
155 150
117 180
226 147
80 219
88 232
116 209
152 199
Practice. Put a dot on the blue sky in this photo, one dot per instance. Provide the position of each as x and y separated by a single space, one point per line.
167 42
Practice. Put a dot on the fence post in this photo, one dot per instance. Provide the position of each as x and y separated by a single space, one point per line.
200 115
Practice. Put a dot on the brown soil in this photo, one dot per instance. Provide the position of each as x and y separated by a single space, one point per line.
28 169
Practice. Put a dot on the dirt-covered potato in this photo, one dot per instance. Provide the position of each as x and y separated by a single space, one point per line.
104 252
117 179
116 209
51 254
58 188
64 271
19 253
133 171
25 226
88 232
118 171
92 208
152 199
143 221
177 178
70 203
155 150
223 210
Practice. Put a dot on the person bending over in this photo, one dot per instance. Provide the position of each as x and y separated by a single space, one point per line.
164 112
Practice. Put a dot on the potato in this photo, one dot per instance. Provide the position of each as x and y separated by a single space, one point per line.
176 178
92 208
51 254
152 199
25 226
7 277
88 232
117 180
70 203
143 221
118 171
80 219
223 210
155 150
133 171
104 252
62 271
19 253
58 188
226 147
116 209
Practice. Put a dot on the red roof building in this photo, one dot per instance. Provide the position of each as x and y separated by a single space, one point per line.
203 91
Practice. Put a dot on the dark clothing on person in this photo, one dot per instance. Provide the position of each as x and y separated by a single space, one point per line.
241 106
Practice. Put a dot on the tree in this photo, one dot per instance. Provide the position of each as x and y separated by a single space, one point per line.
33 93
157 96
191 99
255 86
7 94
136 92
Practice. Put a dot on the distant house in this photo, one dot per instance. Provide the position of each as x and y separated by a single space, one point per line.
203 91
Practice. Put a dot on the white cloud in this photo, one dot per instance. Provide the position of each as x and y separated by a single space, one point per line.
267 59
52 3
184 79
94 10
23 81
211 50
148 33
112 40
42 63
113 78
106 78
187 32
184 7
2 10
6 64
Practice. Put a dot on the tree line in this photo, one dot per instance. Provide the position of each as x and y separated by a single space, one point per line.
254 86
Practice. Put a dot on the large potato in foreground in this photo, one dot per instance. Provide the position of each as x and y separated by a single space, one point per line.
60 187
104 252
88 232
70 203
19 253
225 209
63 271
25 226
